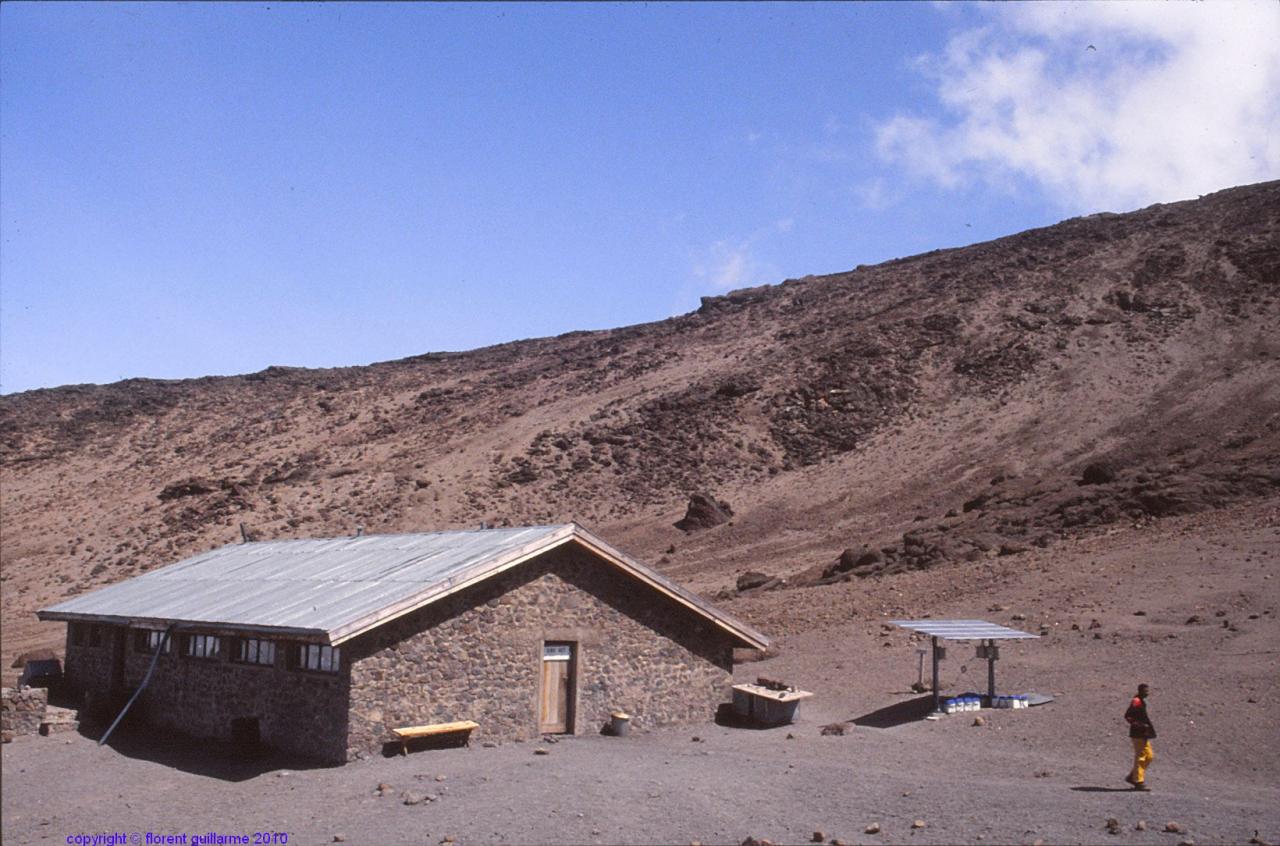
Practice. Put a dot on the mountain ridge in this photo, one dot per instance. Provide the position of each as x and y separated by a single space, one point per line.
854 410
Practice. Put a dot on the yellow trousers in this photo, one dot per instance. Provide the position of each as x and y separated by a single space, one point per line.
1143 755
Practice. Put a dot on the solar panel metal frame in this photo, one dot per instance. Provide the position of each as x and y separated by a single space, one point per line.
964 630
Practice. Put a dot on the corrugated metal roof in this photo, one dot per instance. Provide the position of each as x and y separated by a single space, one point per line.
963 629
334 589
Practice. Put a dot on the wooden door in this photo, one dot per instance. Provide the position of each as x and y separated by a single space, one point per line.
555 702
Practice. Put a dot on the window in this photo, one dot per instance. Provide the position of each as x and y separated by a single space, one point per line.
202 646
149 640
251 650
319 658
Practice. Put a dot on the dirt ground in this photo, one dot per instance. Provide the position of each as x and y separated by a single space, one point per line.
1051 774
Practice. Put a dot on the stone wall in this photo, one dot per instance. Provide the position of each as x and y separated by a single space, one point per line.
87 673
297 711
21 711
477 655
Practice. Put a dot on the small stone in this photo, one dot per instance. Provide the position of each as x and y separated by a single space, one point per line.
696 739
411 798
441 777
541 752
917 824
1186 841
448 838
979 721
819 836
283 774
1174 827
489 744
1113 825
1140 825
383 787
339 838
790 736
874 828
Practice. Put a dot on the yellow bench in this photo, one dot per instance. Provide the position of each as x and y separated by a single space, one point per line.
414 732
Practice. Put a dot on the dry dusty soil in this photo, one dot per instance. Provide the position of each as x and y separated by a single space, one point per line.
1050 774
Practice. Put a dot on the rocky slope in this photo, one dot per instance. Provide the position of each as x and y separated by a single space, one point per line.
934 410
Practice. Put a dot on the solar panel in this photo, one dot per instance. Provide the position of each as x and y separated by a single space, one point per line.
963 629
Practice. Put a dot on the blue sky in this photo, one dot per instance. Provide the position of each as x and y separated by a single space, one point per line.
194 189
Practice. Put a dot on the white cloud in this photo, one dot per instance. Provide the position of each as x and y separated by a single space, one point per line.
1104 105
726 265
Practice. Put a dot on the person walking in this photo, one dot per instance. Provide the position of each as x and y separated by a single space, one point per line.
1141 732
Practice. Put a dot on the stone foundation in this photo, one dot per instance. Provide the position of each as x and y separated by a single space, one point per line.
21 711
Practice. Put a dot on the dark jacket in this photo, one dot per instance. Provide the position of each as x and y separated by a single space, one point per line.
1139 723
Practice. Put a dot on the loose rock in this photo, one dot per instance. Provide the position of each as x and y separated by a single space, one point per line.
1174 827
703 512
874 828
1098 473
917 824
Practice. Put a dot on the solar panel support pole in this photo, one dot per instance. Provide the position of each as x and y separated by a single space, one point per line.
991 671
936 703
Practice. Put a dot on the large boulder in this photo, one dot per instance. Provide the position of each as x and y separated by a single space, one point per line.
703 512
1098 473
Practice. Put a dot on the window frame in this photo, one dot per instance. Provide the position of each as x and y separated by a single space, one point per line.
303 664
147 641
243 646
189 649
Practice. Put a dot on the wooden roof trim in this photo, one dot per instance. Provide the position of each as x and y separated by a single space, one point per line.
475 574
742 632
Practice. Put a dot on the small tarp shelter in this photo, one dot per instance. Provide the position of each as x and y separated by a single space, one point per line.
964 630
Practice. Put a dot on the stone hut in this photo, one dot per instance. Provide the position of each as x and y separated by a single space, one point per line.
323 646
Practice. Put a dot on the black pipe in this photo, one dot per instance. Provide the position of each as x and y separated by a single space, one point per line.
154 659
